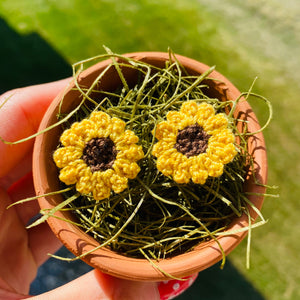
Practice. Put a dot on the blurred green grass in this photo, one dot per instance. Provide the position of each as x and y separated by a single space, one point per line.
244 39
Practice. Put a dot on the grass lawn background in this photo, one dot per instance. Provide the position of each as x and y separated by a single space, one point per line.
243 38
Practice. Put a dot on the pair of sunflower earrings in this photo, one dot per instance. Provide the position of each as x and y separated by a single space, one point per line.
99 155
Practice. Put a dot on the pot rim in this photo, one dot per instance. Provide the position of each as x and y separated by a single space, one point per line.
204 254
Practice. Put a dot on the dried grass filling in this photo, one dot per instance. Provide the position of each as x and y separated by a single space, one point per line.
152 215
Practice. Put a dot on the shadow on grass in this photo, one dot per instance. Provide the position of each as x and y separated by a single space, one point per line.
28 59
216 284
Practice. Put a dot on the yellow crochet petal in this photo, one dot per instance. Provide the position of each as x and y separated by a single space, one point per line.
101 119
215 123
221 152
190 108
165 130
215 154
71 172
101 192
85 171
101 186
205 111
179 120
181 174
197 170
224 136
65 155
126 139
132 152
124 167
106 175
199 176
117 128
168 162
161 146
69 138
229 152
84 185
174 117
214 169
118 183
86 129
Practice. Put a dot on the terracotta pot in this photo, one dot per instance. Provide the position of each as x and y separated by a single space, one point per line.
46 180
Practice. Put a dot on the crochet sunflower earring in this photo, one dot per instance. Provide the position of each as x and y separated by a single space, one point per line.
193 143
98 155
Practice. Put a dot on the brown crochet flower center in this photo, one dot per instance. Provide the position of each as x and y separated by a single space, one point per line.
99 154
192 140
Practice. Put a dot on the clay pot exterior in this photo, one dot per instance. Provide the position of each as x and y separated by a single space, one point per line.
45 175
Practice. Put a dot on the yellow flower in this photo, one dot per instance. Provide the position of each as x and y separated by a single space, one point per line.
193 143
98 155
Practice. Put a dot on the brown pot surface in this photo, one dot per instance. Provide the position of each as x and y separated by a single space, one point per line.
204 255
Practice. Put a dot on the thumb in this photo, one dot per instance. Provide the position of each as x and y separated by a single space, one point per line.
98 286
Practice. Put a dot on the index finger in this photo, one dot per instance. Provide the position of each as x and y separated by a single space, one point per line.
20 117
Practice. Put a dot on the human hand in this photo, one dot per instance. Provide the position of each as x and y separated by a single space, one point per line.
23 250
